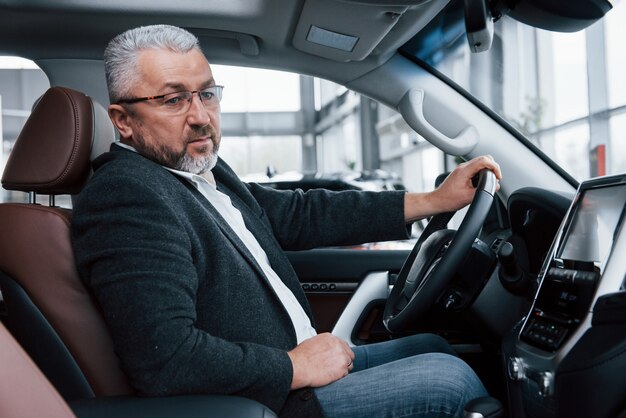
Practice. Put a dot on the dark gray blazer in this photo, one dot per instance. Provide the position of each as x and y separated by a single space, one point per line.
189 309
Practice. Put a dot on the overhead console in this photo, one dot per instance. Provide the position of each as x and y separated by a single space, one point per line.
586 263
324 29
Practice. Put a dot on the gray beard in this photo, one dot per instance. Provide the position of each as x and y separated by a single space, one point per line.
181 161
196 165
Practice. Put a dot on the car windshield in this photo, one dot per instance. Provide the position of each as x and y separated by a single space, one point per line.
565 92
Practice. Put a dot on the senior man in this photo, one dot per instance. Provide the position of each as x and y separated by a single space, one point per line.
188 264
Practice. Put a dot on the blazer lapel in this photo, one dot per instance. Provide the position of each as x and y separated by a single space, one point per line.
230 234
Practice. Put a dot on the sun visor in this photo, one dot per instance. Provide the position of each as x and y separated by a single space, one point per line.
344 30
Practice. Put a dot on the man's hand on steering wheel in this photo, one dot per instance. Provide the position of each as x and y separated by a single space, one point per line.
454 193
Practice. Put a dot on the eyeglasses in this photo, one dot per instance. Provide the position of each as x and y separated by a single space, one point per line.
179 102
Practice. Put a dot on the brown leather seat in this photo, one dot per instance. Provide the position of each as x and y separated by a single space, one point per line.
52 156
24 390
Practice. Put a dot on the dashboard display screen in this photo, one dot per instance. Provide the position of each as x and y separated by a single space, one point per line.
590 235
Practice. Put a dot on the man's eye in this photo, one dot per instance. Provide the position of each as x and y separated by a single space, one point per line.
207 95
173 100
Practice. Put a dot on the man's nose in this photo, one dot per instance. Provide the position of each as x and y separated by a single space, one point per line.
198 114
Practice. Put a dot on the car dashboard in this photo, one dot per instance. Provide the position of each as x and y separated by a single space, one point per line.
566 356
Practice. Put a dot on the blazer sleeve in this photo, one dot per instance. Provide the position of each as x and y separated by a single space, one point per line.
133 252
303 220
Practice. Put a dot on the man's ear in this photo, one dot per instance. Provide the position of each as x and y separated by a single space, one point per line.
121 119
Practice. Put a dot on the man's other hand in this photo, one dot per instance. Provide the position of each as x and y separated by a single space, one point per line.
320 360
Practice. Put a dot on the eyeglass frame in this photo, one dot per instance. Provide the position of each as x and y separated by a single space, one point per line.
218 93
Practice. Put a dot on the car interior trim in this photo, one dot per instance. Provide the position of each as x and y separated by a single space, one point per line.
374 286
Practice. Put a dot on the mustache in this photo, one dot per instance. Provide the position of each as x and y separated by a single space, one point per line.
201 131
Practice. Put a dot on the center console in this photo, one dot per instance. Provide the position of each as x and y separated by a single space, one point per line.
586 263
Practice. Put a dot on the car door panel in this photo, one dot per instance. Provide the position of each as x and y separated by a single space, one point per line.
334 277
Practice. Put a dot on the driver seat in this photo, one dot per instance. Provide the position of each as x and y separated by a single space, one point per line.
46 306
50 312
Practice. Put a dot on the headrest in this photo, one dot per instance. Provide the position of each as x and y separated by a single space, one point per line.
52 154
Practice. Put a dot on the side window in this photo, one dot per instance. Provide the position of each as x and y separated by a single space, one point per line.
283 127
261 120
291 131
21 83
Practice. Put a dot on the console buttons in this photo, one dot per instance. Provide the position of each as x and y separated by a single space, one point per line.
546 334
319 287
326 287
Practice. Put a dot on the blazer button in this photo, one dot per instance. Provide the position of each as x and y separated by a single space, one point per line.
306 395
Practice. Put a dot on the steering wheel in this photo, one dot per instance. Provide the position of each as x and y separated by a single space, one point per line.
437 255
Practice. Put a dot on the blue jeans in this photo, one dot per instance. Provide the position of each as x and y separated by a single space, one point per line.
416 376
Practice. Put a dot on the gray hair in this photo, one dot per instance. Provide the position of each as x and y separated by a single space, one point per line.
120 55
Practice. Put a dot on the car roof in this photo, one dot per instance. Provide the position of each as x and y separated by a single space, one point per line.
259 33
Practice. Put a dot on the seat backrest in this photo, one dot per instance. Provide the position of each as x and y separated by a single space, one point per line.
24 390
52 156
